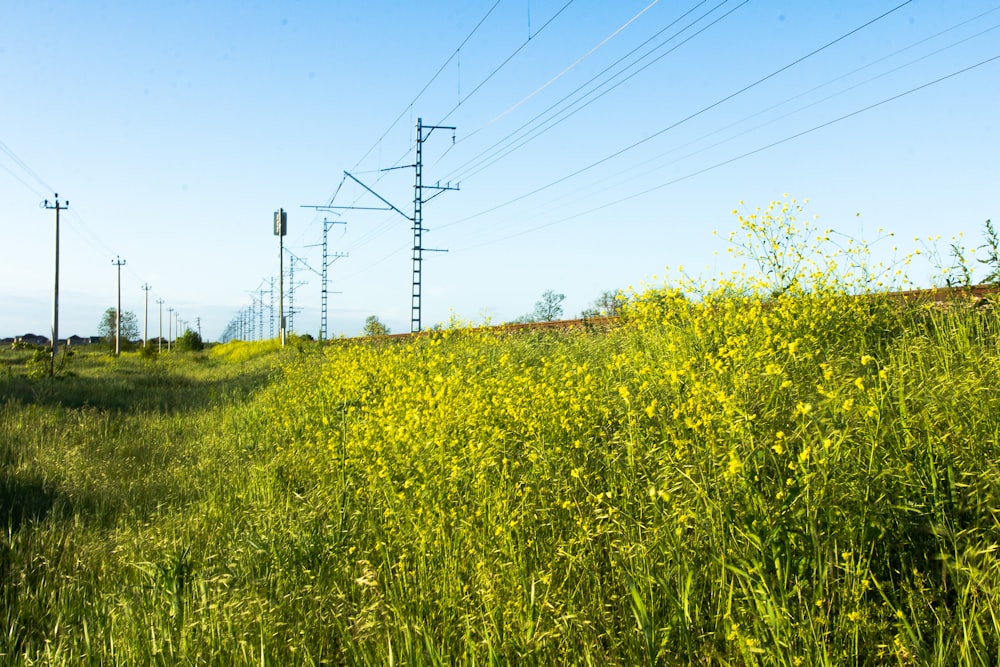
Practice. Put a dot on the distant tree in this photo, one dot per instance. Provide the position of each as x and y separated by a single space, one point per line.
608 304
549 307
189 341
374 327
129 332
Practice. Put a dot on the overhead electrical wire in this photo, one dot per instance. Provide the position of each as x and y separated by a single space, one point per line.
467 136
569 68
4 148
482 160
676 124
719 102
23 182
489 76
589 188
409 107
386 224
465 176
428 84
506 61
382 228
741 156
79 228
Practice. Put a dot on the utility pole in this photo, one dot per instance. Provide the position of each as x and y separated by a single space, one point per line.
55 301
170 326
327 261
197 321
261 313
418 215
118 313
280 229
159 336
292 286
323 332
145 325
418 221
253 319
271 312
291 294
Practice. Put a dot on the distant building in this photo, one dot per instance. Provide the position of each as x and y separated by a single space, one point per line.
82 340
33 339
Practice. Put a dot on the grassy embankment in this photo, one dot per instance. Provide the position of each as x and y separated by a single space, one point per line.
802 478
811 481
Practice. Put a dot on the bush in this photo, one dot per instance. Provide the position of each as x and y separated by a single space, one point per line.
190 341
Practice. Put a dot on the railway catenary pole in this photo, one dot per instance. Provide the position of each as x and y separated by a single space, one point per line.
423 133
418 220
271 311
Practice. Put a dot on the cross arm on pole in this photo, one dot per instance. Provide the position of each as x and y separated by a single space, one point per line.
380 197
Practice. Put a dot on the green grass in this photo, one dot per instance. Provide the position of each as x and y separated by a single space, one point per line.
811 480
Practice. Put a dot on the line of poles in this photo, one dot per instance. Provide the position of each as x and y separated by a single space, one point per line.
118 263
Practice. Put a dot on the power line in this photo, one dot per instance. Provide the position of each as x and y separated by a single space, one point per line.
591 191
482 160
24 165
477 88
426 86
383 227
22 181
739 157
701 111
507 60
573 65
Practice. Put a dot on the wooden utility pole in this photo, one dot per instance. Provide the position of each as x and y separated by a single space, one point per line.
118 313
159 336
145 325
55 301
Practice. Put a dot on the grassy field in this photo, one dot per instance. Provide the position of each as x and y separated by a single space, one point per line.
767 474
811 479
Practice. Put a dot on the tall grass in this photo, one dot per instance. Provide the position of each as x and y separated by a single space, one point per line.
758 476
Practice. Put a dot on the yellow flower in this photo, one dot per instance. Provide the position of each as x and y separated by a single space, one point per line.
735 465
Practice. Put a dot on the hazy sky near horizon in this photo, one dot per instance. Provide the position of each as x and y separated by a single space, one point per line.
596 144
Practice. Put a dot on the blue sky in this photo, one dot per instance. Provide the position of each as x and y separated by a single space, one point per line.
597 143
